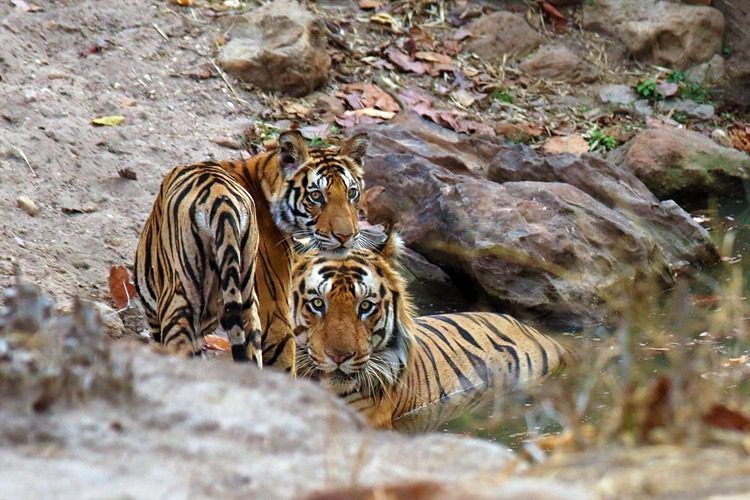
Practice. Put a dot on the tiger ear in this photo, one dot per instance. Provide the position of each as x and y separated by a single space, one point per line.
392 246
355 148
292 151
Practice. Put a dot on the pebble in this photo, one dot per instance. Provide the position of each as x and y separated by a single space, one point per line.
27 205
621 95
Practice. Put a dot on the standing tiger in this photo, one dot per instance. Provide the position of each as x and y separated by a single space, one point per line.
311 194
196 261
355 332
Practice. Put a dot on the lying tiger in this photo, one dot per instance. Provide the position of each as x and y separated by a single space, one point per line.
355 332
217 228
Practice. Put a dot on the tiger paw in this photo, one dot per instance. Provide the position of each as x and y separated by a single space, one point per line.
254 346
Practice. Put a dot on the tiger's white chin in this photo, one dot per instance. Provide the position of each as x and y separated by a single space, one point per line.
339 383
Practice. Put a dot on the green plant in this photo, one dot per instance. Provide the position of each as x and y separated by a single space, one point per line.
597 139
695 92
646 88
676 77
502 95
680 117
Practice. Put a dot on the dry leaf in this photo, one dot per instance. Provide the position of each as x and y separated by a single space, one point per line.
404 62
120 288
213 342
433 57
385 20
375 113
370 4
108 121
518 132
574 144
740 136
127 173
722 417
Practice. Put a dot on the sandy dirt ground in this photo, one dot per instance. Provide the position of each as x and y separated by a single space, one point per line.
50 90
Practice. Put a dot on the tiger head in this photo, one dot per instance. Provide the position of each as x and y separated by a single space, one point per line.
352 319
316 198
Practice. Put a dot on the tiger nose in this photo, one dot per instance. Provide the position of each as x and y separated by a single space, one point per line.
343 237
339 357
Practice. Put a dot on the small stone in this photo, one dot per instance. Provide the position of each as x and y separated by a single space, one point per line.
690 108
502 33
27 205
617 94
708 73
643 108
557 62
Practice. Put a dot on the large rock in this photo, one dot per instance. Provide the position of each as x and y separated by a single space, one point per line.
279 46
682 164
558 236
557 62
501 33
660 32
128 421
737 14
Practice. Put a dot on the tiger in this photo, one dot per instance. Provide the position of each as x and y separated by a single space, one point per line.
195 262
357 334
303 197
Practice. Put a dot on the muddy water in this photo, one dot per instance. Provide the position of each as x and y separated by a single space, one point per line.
510 417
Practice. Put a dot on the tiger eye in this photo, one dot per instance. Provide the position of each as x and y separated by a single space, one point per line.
317 303
353 193
316 196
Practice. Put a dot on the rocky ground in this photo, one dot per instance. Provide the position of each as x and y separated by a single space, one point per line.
529 152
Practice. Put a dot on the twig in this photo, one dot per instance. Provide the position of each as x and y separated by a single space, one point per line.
158 30
226 81
20 152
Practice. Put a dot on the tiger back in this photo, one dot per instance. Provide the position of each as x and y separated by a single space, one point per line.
195 262
356 333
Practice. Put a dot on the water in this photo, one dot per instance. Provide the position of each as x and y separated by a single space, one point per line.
683 331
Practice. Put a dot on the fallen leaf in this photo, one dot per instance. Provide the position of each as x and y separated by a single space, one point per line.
404 62
370 4
295 108
433 57
740 136
518 132
724 418
120 288
386 20
374 113
574 144
215 343
559 23
183 3
322 131
127 173
108 121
